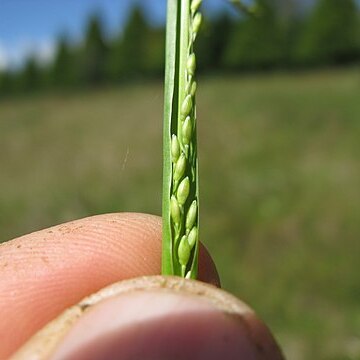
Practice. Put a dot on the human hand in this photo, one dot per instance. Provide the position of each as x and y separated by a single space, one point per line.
45 272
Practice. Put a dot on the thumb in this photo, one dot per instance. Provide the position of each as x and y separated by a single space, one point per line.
161 318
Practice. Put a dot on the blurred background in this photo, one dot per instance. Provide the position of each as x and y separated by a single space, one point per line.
81 98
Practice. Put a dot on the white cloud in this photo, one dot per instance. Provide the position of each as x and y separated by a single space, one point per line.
14 55
45 52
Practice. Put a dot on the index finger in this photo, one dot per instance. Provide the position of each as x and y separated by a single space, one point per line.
47 271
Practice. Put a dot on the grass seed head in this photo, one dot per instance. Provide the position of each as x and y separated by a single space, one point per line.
180 167
192 237
184 251
175 149
195 4
193 88
186 131
188 87
191 64
191 216
186 106
175 210
183 191
197 23
183 201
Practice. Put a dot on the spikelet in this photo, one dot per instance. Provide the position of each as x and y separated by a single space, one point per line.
184 202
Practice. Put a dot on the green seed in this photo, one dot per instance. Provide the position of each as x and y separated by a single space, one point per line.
188 87
197 22
186 106
192 237
195 4
191 215
180 167
184 251
186 131
191 64
183 191
175 210
175 149
193 88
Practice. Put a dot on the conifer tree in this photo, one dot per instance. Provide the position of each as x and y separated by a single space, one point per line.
330 35
257 41
64 66
128 53
94 53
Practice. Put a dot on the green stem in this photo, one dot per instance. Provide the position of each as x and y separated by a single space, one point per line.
180 164
183 46
170 73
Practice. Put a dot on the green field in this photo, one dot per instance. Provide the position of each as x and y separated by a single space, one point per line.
280 187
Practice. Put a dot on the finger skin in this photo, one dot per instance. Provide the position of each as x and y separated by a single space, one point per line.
169 326
155 317
45 272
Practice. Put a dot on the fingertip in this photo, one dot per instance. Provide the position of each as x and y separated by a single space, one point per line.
156 318
207 269
57 267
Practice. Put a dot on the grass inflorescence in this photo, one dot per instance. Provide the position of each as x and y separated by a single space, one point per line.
180 197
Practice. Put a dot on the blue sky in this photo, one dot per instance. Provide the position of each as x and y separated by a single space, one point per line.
32 26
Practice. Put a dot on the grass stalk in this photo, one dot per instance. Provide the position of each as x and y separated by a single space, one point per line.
180 162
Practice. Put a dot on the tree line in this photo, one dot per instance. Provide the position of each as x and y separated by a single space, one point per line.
281 36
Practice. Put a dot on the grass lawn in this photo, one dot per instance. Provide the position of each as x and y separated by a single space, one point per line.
280 187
